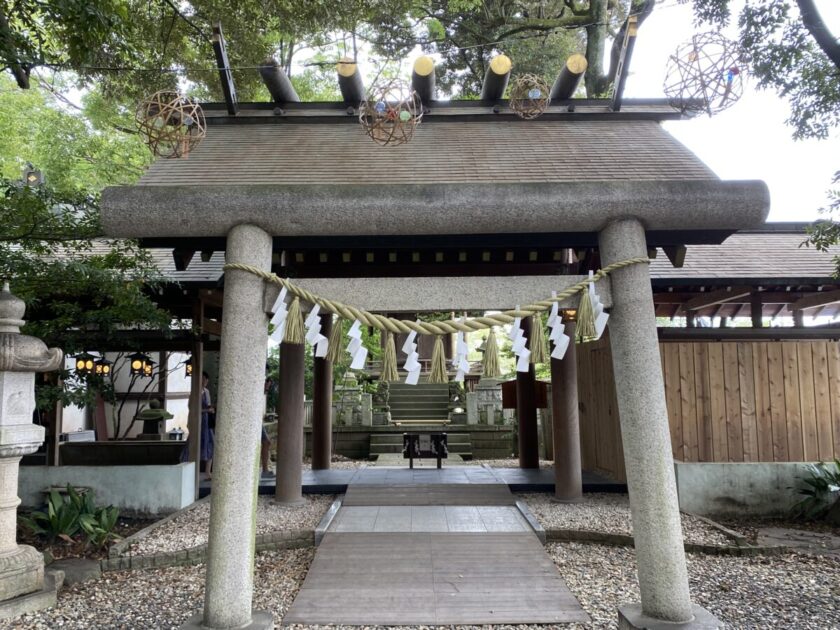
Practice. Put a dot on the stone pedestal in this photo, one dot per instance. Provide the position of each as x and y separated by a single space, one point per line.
631 617
472 408
660 557
22 586
233 501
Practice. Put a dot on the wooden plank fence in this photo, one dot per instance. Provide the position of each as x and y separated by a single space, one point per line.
745 401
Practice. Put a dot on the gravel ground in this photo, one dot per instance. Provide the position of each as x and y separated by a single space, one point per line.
793 592
609 513
339 464
189 528
163 598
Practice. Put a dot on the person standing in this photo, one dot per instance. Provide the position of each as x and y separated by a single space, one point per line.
207 434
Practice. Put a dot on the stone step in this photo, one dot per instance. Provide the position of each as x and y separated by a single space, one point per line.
397 439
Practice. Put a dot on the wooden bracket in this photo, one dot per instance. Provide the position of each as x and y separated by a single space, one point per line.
225 75
622 70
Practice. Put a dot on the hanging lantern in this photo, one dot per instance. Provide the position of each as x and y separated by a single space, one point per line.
148 368
85 363
188 366
137 361
102 367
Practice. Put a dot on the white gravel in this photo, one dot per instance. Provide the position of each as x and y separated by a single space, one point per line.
163 598
610 514
341 464
190 527
794 592
510 462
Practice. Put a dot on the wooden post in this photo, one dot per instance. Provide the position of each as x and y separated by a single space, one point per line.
526 410
290 424
350 82
690 319
322 378
756 309
278 83
798 318
568 482
194 421
423 79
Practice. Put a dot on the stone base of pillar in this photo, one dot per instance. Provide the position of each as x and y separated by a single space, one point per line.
631 617
579 499
21 572
44 597
259 621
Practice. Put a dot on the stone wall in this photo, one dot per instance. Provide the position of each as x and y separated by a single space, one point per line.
138 490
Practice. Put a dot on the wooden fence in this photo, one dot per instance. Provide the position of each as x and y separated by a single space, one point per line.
745 401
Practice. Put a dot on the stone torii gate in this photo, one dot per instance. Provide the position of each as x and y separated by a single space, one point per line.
619 211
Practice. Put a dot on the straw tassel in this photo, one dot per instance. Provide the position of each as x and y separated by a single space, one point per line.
389 360
491 356
539 347
585 319
294 324
438 372
334 349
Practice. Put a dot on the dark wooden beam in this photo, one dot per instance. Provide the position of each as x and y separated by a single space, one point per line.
278 83
624 61
822 298
350 82
716 297
423 80
569 77
676 254
756 309
496 78
748 334
225 75
182 258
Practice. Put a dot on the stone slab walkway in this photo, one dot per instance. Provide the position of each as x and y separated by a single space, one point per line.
432 554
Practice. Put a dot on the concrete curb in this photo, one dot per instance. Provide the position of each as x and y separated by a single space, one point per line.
532 520
623 540
327 519
272 541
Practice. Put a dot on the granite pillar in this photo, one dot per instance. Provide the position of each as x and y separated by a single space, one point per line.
568 484
288 490
236 462
22 584
660 556
322 385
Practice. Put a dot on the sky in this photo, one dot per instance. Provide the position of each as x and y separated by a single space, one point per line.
750 140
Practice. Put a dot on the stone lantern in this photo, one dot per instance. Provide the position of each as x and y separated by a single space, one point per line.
22 586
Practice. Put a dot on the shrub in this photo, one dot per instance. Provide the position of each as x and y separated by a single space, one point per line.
60 520
100 525
823 480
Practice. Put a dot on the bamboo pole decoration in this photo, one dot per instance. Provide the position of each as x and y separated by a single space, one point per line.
393 325
585 319
539 346
389 360
334 342
438 372
294 324
491 356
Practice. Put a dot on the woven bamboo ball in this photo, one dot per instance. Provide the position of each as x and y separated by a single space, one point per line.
705 74
529 96
391 113
171 123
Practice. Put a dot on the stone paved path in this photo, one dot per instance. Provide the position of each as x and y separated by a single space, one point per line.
432 554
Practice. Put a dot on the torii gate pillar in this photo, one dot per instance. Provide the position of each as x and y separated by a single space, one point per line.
233 501
660 555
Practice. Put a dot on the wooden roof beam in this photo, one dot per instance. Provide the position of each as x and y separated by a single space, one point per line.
717 297
423 80
350 81
278 83
496 78
569 77
182 258
225 75
630 32
823 298
676 254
